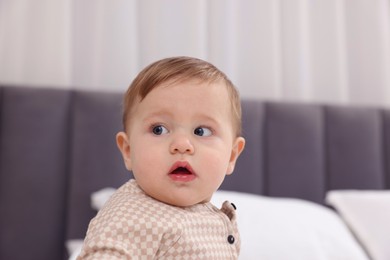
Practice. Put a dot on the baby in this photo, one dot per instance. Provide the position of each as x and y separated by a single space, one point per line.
182 136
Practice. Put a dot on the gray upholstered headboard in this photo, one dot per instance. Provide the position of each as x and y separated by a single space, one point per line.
303 150
58 146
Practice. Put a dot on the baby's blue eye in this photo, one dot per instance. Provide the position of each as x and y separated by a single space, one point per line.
202 131
159 130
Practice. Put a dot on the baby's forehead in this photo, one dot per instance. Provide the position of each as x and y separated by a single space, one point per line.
193 93
192 87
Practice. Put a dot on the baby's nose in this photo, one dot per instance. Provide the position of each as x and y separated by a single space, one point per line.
181 144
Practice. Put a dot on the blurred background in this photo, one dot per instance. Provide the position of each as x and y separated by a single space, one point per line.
331 51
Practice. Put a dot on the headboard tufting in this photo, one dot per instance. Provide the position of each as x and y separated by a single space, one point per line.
303 150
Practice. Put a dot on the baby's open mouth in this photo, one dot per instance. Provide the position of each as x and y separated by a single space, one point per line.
182 172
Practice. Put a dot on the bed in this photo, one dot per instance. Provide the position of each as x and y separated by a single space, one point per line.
306 168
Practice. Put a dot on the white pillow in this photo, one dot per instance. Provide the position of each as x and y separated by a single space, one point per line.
293 229
74 248
275 228
98 198
367 213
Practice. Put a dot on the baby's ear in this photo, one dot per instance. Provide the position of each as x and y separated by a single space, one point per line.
122 141
238 147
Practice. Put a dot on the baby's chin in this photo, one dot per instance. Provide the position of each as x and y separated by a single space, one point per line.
178 199
182 202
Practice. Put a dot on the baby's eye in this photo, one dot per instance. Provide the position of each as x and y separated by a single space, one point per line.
203 131
159 130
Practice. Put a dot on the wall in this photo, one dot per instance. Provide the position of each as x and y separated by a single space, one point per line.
333 51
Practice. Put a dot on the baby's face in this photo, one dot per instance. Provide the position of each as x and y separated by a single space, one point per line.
180 142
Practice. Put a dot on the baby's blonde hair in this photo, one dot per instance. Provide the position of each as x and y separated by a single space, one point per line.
179 69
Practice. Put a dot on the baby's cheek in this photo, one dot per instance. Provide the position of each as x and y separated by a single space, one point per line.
148 161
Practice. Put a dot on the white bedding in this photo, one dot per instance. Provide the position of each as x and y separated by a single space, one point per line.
367 213
277 228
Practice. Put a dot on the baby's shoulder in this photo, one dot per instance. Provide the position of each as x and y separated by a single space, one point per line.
135 222
132 206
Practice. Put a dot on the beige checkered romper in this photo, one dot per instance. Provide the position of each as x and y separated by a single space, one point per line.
132 225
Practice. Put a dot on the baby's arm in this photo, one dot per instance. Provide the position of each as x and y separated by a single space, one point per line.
111 239
126 228
103 252
115 233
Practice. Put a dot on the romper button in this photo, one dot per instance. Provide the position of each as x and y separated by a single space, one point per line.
230 239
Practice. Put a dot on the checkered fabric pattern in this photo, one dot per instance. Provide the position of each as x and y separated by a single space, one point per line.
133 225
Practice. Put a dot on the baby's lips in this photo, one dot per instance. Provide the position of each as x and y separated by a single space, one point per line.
181 164
182 172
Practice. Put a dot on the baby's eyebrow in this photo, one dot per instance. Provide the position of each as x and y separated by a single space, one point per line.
167 114
208 118
160 113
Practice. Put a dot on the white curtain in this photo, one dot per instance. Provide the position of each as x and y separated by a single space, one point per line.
332 51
